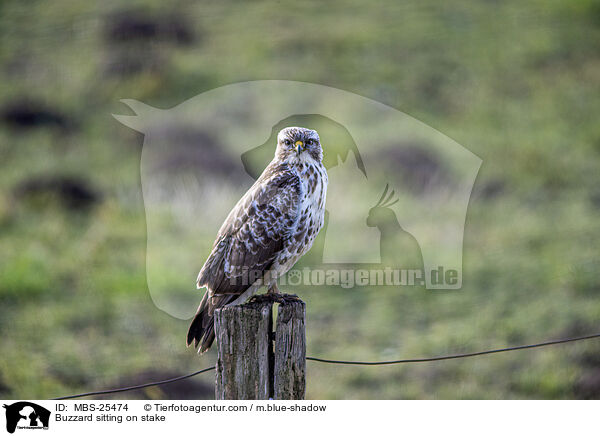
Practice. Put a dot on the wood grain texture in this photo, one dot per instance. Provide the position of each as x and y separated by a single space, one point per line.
243 351
290 352
255 363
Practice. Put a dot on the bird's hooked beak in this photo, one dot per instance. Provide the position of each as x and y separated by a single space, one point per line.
299 146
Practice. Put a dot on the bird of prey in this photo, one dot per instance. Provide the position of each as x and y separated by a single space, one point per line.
266 232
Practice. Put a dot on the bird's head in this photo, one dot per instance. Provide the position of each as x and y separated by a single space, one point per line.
298 144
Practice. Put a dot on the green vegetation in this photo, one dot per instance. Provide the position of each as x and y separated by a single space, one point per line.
515 82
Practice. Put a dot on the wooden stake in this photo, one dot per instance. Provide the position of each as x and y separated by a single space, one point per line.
255 363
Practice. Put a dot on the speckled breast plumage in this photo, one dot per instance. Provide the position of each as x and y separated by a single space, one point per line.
314 180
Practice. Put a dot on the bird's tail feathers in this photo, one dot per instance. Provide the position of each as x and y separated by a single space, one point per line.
202 330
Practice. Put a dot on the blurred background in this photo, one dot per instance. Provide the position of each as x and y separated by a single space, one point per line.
514 82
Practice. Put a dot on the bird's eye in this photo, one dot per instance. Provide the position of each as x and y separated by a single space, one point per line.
309 142
287 142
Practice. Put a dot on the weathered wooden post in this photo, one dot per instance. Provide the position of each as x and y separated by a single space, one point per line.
289 374
253 361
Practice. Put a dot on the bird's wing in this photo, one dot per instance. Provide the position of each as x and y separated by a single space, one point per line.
253 233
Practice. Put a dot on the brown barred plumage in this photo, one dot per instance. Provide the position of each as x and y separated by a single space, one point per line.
267 231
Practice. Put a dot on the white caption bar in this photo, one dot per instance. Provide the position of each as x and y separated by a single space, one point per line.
299 417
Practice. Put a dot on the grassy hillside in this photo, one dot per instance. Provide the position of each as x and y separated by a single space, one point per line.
515 82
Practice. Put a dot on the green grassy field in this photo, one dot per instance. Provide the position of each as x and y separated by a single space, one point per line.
514 82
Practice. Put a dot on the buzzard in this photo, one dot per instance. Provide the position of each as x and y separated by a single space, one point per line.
267 231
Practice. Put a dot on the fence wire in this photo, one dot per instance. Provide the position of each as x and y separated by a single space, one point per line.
346 362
